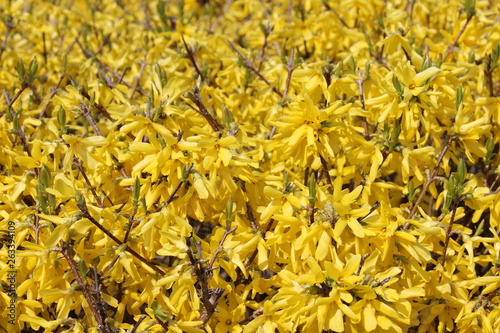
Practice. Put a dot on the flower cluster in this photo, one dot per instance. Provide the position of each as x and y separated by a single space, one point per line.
250 166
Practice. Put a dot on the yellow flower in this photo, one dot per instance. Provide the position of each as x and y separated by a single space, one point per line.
414 83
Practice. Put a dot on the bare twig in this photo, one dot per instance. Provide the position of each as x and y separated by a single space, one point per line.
138 80
52 94
84 109
136 325
250 66
430 179
102 326
192 58
449 232
362 99
203 110
449 50
83 208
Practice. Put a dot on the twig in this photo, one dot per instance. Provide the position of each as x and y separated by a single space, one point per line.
449 50
326 173
83 208
52 94
263 50
430 179
290 67
327 6
136 325
138 80
162 324
9 25
210 297
449 231
192 58
84 109
102 327
250 66
89 54
20 130
219 249
203 110
362 99
130 223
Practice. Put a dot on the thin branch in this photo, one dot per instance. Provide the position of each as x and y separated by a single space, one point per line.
449 50
83 208
84 109
89 54
192 58
430 179
250 66
449 232
65 251
290 67
203 110
136 325
52 94
20 131
141 71
219 249
362 99
9 25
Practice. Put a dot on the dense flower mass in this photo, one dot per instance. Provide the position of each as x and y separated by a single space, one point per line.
250 166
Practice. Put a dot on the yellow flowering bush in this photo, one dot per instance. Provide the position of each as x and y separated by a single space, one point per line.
250 166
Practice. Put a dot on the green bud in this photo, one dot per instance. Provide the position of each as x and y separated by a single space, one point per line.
64 64
136 192
312 188
462 171
426 64
61 119
21 70
411 191
352 65
33 68
460 97
490 145
82 267
229 212
44 176
480 229
397 85
472 57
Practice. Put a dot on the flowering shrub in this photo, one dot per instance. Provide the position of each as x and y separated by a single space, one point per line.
250 166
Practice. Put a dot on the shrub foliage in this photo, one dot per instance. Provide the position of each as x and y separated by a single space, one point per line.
250 166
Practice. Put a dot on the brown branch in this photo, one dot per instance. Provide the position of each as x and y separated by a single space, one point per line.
136 325
362 99
9 25
196 98
84 109
449 50
102 326
83 208
449 232
89 54
430 179
20 131
250 66
138 80
219 249
192 58
52 94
